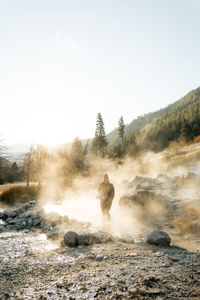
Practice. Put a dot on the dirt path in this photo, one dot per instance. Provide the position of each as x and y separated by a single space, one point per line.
33 268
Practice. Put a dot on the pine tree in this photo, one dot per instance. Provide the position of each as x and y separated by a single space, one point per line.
121 129
99 143
186 132
77 154
94 148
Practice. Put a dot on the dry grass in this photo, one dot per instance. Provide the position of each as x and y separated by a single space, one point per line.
182 155
11 194
6 187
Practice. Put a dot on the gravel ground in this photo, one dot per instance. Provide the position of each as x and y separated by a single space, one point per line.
31 267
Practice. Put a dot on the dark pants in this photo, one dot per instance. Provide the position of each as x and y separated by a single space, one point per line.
105 207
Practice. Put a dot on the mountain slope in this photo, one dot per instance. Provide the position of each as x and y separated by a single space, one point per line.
180 120
134 126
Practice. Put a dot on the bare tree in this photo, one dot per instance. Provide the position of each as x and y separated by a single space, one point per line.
28 164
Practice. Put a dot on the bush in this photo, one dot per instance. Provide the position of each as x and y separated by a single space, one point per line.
19 194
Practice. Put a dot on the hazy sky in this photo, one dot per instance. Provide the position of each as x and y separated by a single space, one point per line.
63 61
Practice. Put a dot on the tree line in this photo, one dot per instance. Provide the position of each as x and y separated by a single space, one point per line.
178 122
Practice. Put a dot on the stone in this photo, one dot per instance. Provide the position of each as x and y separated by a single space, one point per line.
156 237
2 228
85 239
29 222
10 213
10 221
27 206
10 227
36 221
45 227
33 202
20 226
101 237
20 211
71 239
54 233
1 216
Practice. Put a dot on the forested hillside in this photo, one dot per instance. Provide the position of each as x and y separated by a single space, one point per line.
134 126
179 121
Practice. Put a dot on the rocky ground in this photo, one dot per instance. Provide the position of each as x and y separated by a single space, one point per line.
34 268
36 261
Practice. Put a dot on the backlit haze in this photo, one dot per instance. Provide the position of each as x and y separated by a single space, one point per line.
62 62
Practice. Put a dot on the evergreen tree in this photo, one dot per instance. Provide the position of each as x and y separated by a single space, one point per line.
121 129
94 147
186 132
99 143
77 154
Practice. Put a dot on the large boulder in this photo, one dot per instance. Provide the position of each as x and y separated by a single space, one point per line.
71 239
142 198
147 183
156 237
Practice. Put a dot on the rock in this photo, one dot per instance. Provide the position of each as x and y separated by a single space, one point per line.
101 237
85 239
20 226
10 227
71 239
33 202
156 237
20 211
27 206
147 183
1 216
45 227
10 213
54 233
20 220
32 214
125 239
2 228
99 258
159 254
142 198
10 221
36 221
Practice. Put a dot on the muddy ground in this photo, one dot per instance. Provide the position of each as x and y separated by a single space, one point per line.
31 267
